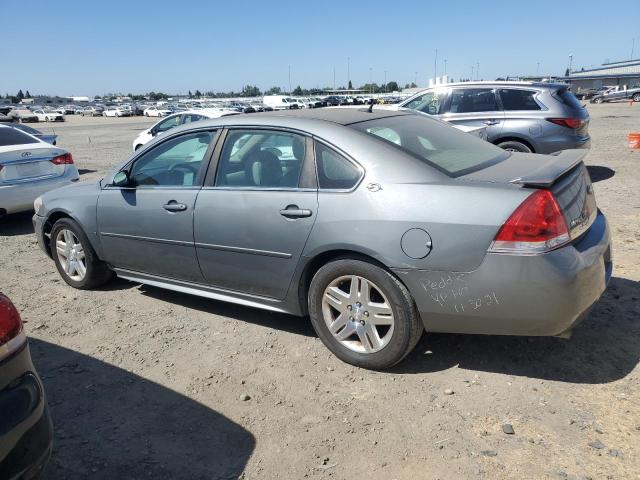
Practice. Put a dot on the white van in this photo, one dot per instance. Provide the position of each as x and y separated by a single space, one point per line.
279 102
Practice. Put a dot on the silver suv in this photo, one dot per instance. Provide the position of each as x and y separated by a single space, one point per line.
519 116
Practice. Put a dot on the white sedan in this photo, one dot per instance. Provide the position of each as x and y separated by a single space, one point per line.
177 119
116 112
157 112
48 116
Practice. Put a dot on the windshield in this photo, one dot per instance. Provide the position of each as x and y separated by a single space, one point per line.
434 142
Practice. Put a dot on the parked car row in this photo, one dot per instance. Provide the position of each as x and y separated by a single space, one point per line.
613 94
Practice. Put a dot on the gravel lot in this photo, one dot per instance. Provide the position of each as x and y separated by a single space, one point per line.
146 383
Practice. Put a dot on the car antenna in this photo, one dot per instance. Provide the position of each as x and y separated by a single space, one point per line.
371 105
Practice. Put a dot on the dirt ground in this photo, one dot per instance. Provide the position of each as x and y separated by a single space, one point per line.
146 383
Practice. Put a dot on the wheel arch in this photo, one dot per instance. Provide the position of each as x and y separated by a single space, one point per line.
322 258
52 218
515 138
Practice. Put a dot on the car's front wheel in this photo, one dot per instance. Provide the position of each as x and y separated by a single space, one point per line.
598 100
75 258
363 314
636 97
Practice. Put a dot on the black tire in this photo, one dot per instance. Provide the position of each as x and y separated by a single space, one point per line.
598 100
98 273
636 97
514 146
407 327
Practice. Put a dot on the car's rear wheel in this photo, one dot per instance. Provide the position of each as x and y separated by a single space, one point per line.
514 146
75 258
363 314
636 97
598 100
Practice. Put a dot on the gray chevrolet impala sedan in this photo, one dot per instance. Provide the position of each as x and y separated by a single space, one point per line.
377 224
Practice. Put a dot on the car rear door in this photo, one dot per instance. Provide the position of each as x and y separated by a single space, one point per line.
256 210
147 226
475 107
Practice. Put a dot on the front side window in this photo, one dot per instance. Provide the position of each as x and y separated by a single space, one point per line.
334 171
168 123
173 163
429 102
470 100
435 143
261 158
192 118
518 99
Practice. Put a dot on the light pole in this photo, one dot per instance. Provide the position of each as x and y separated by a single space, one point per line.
445 67
472 73
570 62
435 66
334 79
348 71
370 81
289 79
416 78
537 69
478 71
385 81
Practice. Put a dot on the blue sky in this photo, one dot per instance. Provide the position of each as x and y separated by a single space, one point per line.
68 47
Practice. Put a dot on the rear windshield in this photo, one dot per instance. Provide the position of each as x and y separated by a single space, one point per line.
434 142
569 98
11 136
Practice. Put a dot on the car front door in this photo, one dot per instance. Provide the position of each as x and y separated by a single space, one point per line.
253 217
146 225
475 107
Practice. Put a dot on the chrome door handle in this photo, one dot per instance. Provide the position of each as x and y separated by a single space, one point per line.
492 122
173 206
292 211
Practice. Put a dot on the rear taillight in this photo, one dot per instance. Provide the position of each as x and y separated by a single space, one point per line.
536 226
568 122
64 159
11 334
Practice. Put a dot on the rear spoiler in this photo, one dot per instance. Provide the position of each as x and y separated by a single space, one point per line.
552 169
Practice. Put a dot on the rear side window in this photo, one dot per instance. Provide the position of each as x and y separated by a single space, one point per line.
334 171
518 99
469 100
568 98
11 136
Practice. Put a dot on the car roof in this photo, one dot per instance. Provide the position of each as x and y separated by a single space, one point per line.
339 115
501 83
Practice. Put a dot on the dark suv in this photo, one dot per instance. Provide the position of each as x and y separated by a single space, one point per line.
519 116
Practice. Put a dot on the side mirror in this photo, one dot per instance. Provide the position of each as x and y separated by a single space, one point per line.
121 179
153 132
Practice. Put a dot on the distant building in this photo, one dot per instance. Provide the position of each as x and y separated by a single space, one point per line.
621 74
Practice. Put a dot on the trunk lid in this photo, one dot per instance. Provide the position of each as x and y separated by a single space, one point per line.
29 164
564 173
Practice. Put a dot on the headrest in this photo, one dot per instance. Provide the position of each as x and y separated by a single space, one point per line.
263 168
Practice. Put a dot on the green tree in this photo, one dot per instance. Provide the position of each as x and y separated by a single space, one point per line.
413 85
350 85
27 95
392 87
190 94
274 91
20 95
297 91
198 94
250 91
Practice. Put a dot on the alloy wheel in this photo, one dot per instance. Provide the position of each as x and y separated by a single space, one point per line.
358 314
71 255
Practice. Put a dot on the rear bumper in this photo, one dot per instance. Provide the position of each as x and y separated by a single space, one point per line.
556 143
543 295
26 434
19 197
